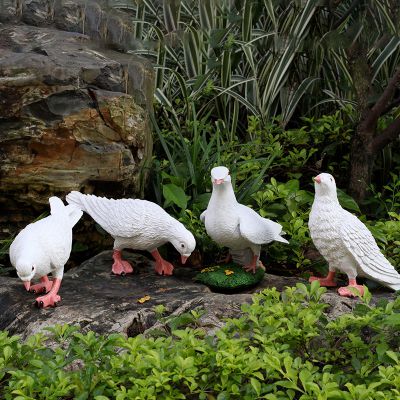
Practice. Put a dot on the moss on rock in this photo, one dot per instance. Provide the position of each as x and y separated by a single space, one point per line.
229 277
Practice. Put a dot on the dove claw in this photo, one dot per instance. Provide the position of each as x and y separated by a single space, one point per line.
120 266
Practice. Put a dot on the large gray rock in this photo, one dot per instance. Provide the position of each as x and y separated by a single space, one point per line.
99 301
74 112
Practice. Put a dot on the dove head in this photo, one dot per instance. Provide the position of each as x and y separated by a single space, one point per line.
26 270
325 186
183 241
220 175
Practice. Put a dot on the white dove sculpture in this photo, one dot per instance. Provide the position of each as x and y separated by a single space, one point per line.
234 225
345 242
44 247
136 224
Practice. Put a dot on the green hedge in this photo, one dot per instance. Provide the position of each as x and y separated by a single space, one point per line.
283 347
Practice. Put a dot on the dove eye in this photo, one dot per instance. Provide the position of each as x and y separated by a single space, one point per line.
331 180
182 246
33 268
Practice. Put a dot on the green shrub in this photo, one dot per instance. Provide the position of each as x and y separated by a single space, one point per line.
283 347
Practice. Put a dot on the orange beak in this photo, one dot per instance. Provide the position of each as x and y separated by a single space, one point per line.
27 285
218 181
317 179
183 259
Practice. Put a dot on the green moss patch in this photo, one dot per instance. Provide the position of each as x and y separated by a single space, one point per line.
229 277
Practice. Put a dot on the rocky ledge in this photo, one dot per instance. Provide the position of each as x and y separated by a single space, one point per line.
74 108
99 301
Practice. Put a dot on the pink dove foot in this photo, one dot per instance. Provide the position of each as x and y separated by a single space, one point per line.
44 286
347 292
252 266
328 281
120 266
162 267
51 299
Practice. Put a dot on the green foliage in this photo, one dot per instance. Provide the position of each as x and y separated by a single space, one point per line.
290 206
229 277
387 235
283 347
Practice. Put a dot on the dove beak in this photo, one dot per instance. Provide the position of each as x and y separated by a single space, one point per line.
317 179
184 258
218 181
27 285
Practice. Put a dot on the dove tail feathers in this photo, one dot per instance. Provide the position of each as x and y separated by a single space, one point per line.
393 286
75 198
281 239
74 213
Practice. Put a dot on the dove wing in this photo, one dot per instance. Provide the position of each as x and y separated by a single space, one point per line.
361 244
203 216
122 218
256 229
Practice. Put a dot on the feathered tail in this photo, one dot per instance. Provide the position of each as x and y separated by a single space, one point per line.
72 212
75 198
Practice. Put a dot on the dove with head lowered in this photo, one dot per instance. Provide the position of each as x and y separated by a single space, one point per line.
136 224
44 247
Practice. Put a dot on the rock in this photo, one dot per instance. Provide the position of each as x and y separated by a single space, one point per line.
99 301
74 112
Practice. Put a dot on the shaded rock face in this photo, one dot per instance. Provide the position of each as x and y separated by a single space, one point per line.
74 113
99 301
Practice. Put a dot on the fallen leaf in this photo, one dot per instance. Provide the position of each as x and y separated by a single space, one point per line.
144 299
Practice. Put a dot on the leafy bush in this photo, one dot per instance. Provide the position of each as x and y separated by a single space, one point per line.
283 347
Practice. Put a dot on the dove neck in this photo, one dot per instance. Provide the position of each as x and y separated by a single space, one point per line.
223 194
325 201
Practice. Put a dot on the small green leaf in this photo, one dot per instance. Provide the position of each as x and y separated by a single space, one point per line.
176 195
256 385
347 201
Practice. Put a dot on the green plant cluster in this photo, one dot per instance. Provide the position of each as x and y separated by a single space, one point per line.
283 347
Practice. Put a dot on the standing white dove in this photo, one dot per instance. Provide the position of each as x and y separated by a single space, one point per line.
136 224
44 247
234 225
345 242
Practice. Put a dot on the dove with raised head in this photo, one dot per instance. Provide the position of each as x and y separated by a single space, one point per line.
345 242
136 224
44 247
235 225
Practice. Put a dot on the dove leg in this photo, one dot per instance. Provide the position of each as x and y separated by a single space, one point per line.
162 267
347 292
52 298
253 265
120 266
44 286
328 281
226 259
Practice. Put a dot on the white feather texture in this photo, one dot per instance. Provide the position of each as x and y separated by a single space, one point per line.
344 241
234 225
44 246
136 224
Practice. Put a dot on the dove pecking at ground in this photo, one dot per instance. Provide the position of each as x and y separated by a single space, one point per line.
345 242
44 247
234 225
136 224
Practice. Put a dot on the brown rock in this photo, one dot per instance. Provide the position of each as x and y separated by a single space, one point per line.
74 114
96 300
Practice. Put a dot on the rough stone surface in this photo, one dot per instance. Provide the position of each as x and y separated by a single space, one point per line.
74 112
96 300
